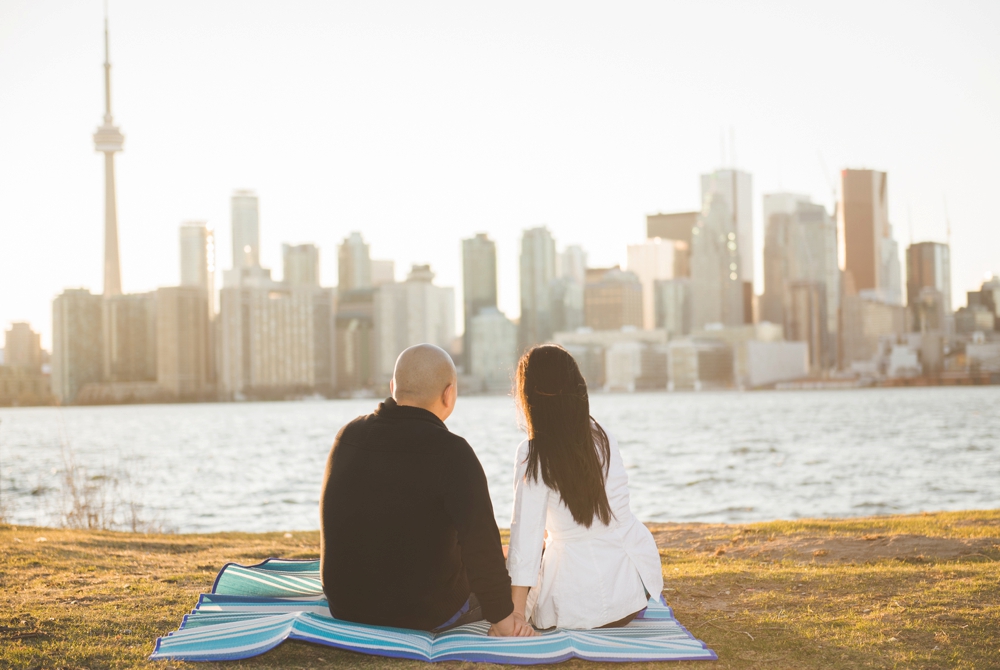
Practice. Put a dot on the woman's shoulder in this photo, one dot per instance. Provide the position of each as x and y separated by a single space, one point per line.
522 450
611 437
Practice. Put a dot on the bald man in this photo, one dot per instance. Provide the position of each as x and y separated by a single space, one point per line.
408 537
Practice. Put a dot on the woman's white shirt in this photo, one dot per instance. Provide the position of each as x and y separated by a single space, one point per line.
587 577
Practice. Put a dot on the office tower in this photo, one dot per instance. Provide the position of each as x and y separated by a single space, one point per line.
716 288
672 298
696 365
383 272
800 247
650 261
77 343
865 320
129 323
928 269
197 256
354 264
735 187
806 320
572 264
276 340
676 226
614 301
300 264
22 348
538 268
479 285
987 298
183 355
108 139
412 312
866 249
355 341
494 349
566 300
246 229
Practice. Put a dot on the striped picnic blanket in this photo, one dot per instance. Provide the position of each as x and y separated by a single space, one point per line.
253 609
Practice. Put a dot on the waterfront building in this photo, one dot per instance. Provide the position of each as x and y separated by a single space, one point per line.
974 318
479 286
414 311
77 343
735 187
494 349
129 323
755 365
21 386
355 341
614 301
183 351
109 140
566 298
245 212
716 288
868 254
651 261
22 348
354 264
865 321
537 270
696 365
591 349
300 264
672 301
987 297
801 273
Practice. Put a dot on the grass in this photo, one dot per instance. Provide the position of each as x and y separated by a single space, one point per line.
881 592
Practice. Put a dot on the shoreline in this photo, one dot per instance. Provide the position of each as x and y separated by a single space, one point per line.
919 590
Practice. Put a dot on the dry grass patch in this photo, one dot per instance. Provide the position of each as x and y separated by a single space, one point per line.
761 595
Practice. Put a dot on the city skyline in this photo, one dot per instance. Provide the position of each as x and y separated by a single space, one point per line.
601 208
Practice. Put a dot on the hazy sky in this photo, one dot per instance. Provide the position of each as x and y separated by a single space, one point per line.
419 123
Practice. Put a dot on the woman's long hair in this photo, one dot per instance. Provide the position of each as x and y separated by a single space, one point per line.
571 455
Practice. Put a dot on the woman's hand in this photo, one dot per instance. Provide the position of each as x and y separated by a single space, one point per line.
513 626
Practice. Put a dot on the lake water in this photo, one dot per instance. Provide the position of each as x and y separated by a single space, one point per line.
728 456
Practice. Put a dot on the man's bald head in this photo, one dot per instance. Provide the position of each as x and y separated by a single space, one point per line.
422 377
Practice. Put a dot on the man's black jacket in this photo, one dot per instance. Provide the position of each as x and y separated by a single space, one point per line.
407 527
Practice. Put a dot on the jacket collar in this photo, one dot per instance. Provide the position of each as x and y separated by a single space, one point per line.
388 409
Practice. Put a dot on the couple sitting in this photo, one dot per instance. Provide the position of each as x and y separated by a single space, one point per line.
408 535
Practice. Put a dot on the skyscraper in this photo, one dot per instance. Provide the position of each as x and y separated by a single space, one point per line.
573 264
22 348
479 285
614 301
246 229
108 140
183 352
866 249
650 261
354 264
716 289
197 256
736 188
77 343
538 268
928 266
129 323
494 349
300 264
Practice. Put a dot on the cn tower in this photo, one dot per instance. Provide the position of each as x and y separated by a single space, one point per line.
108 139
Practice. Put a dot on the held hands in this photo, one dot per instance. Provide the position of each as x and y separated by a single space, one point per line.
513 626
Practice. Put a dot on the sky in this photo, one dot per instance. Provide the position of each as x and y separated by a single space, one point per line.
420 124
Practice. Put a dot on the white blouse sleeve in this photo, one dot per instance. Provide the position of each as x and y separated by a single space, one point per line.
527 524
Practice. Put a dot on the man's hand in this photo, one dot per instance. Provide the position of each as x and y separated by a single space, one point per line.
513 626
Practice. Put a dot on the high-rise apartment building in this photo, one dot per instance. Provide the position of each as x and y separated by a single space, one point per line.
130 337
183 354
566 300
672 298
572 264
494 349
412 312
736 189
197 256
538 269
246 229
22 348
651 261
300 264
354 264
717 294
77 343
614 301
479 285
928 281
800 249
866 249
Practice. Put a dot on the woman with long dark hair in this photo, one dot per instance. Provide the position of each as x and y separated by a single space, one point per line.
599 563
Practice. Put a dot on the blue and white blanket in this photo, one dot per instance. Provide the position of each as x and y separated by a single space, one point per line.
253 609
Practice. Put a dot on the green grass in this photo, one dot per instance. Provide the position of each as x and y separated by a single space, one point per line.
759 594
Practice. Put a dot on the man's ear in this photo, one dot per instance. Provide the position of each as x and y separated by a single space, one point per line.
392 388
450 395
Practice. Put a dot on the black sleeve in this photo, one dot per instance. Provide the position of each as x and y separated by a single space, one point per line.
467 501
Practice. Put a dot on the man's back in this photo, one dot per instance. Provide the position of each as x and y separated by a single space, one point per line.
407 524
